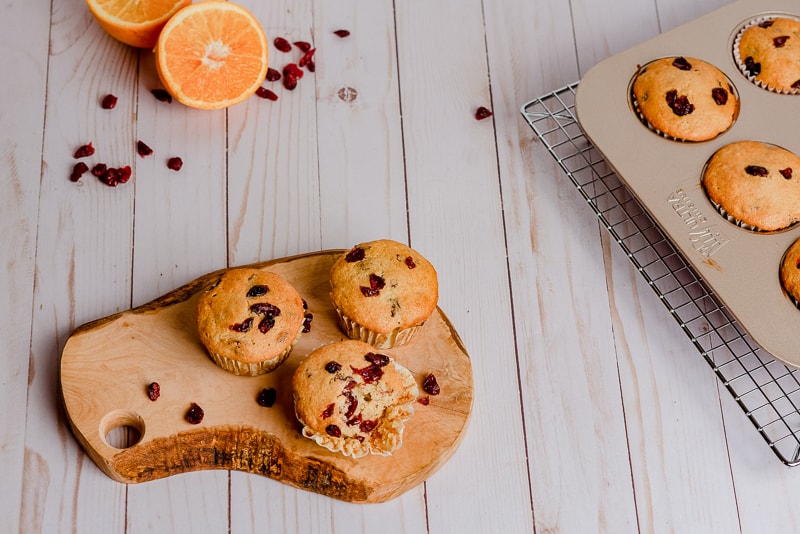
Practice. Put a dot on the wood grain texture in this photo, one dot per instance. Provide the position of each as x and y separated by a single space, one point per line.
107 365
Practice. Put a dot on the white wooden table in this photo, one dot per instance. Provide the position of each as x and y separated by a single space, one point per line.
593 411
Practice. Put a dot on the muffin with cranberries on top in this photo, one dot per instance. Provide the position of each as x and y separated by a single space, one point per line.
684 98
383 291
249 320
352 399
768 53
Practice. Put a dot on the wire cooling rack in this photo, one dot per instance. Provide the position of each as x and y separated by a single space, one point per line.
767 390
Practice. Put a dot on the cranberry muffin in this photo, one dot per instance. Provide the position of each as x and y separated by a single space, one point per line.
685 99
383 291
755 185
768 53
353 400
249 320
790 273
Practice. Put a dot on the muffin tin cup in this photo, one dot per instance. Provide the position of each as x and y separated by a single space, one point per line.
740 62
739 266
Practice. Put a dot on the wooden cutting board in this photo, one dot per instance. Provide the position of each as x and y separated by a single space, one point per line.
106 366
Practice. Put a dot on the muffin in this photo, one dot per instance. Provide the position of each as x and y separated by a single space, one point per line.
249 320
768 53
685 99
755 185
383 291
353 400
790 273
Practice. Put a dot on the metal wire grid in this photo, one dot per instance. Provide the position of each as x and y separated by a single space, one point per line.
767 390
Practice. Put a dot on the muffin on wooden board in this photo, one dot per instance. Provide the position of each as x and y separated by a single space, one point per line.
755 185
790 273
382 292
353 400
768 53
249 320
685 99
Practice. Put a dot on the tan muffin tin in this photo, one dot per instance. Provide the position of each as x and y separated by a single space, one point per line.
739 266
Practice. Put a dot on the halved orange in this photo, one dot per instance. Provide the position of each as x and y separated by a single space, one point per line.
135 22
212 54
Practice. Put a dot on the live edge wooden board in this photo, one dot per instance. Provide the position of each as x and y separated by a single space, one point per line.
106 366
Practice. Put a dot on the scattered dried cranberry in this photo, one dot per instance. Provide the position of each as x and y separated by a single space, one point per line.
282 44
333 367
195 414
381 360
430 385
424 401
174 163
266 324
356 254
766 23
371 373
307 318
273 75
756 170
367 426
410 262
244 326
779 41
265 93
327 412
376 283
266 309
333 430
84 151
109 102
307 58
267 397
293 70
143 149
682 64
482 113
352 404
680 105
311 66
289 81
304 46
342 33
786 173
720 96
750 65
124 174
77 171
112 176
162 95
257 291
153 391
99 169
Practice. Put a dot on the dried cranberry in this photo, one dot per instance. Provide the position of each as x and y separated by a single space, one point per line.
410 262
143 149
289 81
424 401
381 360
766 23
311 66
680 105
756 170
682 64
334 431
371 373
77 171
99 169
750 65
109 102
282 44
307 58
154 391
266 309
174 163
124 174
356 254
195 414
796 85
304 46
267 397
244 326
266 324
327 412
720 96
293 69
352 404
367 426
786 173
162 95
482 113
265 93
273 75
110 177
778 42
84 151
307 318
257 291
342 33
376 283
332 367
430 385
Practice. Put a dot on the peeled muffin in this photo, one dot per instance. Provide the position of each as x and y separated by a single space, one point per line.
353 400
249 320
383 291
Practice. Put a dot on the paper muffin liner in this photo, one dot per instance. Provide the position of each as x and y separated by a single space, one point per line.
241 368
740 62
379 340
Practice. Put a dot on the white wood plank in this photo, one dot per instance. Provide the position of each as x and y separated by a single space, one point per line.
454 207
